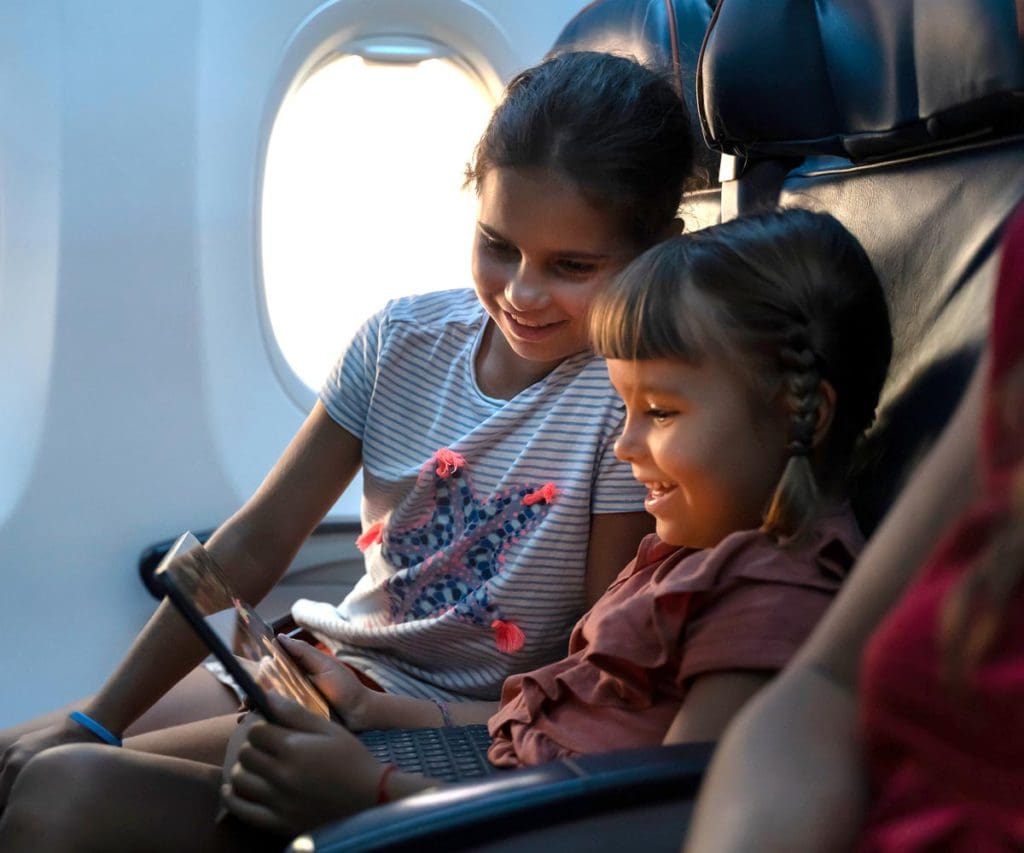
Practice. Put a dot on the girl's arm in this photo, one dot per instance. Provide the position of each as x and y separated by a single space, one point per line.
254 547
614 539
711 703
788 773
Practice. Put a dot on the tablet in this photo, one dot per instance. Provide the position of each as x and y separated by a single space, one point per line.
248 649
232 630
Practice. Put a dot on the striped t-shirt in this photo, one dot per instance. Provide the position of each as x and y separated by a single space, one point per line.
476 510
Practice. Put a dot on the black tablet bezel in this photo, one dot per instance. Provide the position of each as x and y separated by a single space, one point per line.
164 581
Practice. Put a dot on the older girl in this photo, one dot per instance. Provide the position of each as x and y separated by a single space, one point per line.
494 509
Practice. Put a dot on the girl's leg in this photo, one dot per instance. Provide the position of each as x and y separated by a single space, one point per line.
93 798
203 740
198 696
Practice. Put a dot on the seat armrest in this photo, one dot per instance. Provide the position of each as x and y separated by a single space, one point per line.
472 813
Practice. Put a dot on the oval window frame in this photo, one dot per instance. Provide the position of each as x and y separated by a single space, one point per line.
468 36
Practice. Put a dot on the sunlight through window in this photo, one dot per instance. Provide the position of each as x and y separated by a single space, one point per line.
363 199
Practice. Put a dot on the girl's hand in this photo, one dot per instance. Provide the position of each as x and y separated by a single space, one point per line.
306 772
351 699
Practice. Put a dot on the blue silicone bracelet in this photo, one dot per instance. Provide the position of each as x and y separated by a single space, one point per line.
101 731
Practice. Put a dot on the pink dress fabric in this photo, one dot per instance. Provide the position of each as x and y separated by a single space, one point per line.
672 614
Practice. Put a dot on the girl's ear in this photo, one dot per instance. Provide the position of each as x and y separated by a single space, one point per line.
826 411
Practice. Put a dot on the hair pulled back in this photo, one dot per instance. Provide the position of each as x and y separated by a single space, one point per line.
617 130
790 298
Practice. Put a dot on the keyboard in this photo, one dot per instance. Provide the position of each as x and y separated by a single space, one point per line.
452 753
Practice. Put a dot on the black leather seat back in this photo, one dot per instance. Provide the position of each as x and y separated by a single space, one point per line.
931 228
664 34
927 195
858 78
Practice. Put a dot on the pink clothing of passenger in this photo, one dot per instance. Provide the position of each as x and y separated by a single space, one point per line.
671 615
946 771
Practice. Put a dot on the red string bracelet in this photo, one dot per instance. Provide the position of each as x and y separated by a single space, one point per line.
382 791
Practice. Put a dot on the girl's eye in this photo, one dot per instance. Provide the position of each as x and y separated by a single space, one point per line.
659 416
498 247
575 269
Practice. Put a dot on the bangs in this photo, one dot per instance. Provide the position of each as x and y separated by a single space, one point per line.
653 310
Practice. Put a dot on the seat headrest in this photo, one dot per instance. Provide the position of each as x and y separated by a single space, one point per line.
860 79
663 34
660 33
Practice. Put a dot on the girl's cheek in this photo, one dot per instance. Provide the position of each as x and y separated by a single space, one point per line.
487 276
582 298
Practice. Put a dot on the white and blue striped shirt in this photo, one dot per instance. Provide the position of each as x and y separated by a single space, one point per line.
499 534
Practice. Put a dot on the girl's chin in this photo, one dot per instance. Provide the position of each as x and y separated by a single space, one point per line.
683 535
669 533
551 352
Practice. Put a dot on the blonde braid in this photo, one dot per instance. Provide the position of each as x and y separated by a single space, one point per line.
795 501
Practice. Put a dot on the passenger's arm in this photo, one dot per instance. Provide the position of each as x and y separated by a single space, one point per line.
788 773
614 538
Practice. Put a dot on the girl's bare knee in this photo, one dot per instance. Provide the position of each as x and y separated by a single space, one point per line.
72 768
52 799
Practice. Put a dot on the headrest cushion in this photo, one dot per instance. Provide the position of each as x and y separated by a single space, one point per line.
659 33
663 34
858 78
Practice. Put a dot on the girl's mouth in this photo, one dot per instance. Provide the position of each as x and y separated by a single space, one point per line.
529 331
657 495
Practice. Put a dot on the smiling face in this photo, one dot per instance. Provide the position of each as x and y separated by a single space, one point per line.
541 253
708 449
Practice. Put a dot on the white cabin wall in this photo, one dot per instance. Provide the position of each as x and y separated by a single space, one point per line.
140 397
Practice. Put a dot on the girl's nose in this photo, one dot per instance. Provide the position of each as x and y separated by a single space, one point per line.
629 445
525 291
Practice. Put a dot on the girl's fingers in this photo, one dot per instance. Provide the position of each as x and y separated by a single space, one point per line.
310 657
292 715
269 738
256 814
255 761
332 678
252 787
280 742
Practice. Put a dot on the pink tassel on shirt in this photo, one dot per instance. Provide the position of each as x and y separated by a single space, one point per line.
374 534
547 493
448 462
508 636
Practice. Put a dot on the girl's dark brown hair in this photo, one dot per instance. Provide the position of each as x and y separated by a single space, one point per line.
615 128
791 298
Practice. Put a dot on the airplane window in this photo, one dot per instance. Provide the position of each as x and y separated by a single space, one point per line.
363 199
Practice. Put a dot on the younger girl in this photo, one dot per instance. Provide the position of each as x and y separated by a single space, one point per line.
750 358
494 509
898 728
